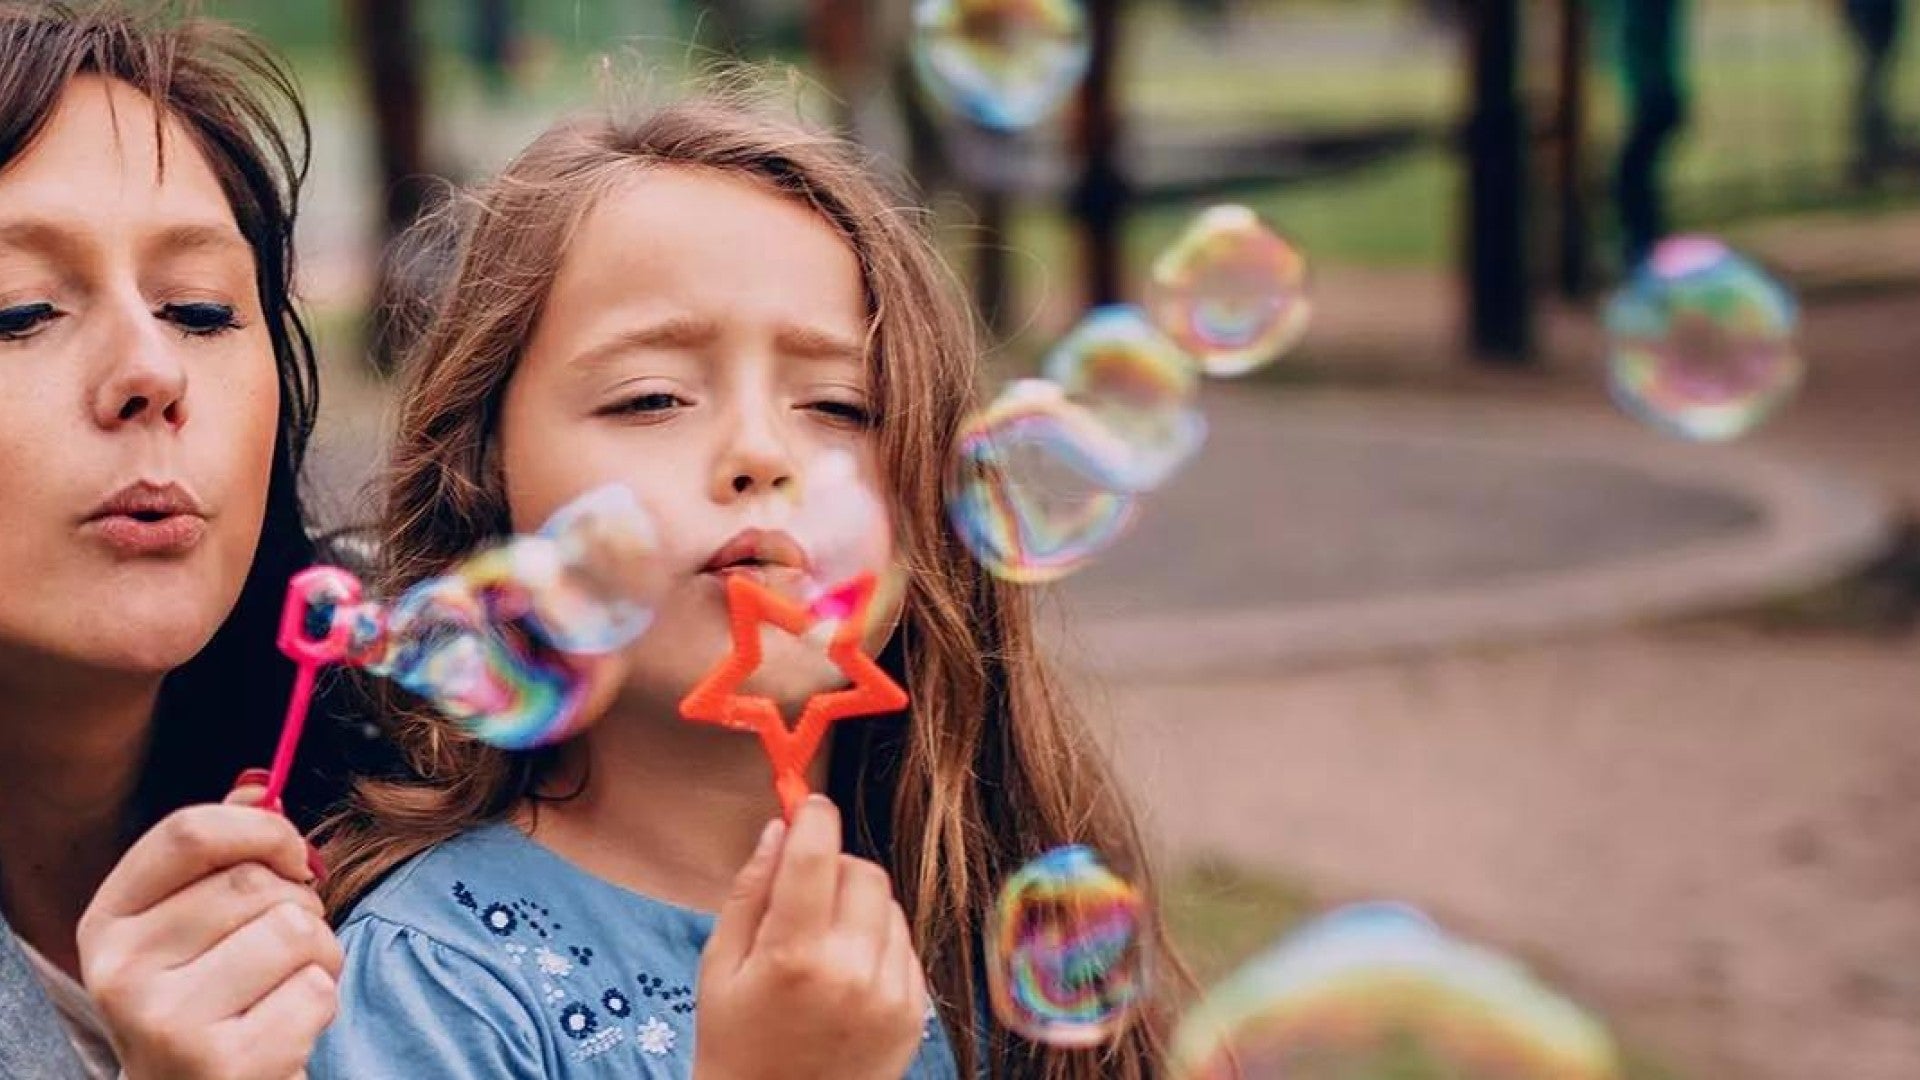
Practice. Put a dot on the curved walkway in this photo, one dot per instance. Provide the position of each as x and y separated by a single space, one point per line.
1326 525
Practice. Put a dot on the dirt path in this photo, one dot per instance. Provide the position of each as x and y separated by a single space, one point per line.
1712 833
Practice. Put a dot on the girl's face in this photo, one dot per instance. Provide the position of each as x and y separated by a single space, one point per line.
704 345
138 395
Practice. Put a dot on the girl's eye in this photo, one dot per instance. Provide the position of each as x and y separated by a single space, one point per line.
203 319
22 320
849 413
640 404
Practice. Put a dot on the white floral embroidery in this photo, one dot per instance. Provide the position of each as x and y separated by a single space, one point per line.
598 1043
551 963
931 1018
551 991
655 1037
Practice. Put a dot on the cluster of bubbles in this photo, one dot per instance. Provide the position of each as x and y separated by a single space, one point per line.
1049 474
1701 342
1065 961
1377 983
496 643
1003 64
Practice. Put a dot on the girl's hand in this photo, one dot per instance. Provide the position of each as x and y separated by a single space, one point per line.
811 970
207 951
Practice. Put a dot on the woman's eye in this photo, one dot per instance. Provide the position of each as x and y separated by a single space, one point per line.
201 319
22 320
850 413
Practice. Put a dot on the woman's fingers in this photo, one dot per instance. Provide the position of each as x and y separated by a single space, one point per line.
806 882
189 845
279 1029
180 928
249 964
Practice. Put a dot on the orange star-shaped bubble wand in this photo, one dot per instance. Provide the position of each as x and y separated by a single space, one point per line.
716 698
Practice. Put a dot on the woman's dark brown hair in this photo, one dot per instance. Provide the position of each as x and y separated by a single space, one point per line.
219 712
991 767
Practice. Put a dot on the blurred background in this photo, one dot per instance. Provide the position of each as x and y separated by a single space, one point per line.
1429 619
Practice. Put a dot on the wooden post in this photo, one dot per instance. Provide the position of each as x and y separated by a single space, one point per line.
1100 197
386 41
1570 131
837 38
1499 299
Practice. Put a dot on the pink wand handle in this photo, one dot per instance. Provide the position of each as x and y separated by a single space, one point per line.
317 591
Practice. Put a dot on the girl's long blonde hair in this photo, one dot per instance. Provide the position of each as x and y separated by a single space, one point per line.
990 768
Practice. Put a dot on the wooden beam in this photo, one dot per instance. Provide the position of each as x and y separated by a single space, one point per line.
1499 295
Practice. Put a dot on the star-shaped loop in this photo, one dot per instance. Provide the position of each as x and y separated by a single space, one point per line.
716 698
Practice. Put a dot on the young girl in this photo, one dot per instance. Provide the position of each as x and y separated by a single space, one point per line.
715 309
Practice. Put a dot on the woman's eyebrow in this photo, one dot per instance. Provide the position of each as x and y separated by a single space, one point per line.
190 237
39 236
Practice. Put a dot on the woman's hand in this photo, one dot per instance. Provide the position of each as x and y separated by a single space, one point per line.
811 970
208 952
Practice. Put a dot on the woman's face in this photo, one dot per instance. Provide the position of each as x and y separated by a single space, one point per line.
138 394
704 345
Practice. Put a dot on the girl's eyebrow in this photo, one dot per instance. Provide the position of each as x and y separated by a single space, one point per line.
811 343
679 332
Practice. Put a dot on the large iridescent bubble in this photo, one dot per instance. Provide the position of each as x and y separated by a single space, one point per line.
499 642
1004 64
1230 291
1038 486
1377 987
1700 342
1066 962
1136 382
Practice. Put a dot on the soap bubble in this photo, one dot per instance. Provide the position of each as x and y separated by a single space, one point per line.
1139 384
1039 487
499 641
1378 987
1230 291
1065 963
1004 64
1701 342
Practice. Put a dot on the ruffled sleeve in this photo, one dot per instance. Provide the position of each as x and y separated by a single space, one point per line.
417 1008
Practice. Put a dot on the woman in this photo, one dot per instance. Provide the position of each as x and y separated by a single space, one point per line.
156 392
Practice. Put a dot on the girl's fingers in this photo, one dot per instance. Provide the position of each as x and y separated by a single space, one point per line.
746 904
900 970
279 1031
864 901
181 928
189 845
806 883
248 964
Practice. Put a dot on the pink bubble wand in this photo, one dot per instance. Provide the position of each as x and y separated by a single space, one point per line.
315 590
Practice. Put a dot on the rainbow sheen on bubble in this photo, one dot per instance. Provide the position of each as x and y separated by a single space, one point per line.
1230 291
1039 486
465 650
1701 342
1065 962
1003 64
1378 989
494 642
1137 383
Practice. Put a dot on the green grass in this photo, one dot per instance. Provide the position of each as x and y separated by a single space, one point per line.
1220 916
